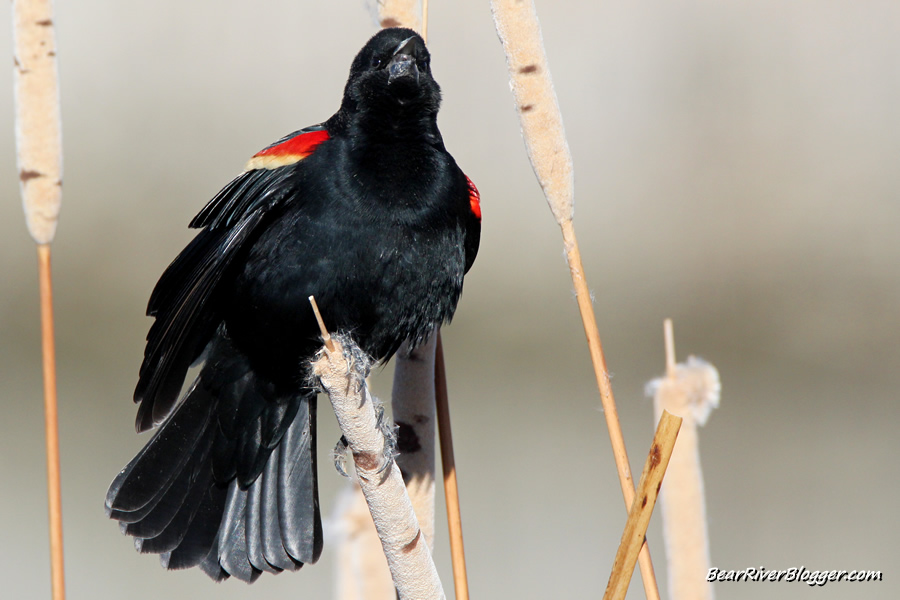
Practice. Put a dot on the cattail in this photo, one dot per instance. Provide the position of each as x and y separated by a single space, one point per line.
400 13
39 155
690 390
342 374
545 140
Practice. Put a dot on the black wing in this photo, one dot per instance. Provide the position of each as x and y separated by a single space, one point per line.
184 300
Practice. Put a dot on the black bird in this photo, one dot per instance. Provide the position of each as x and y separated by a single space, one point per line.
367 212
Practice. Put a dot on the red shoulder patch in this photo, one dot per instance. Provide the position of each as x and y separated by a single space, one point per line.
288 152
474 199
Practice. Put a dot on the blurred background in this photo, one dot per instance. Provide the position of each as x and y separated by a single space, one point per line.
737 169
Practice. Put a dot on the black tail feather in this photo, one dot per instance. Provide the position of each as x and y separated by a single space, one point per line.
298 494
172 536
253 527
228 483
270 525
164 512
232 539
210 564
159 466
201 533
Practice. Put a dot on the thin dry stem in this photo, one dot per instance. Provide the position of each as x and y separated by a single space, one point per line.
669 336
451 490
642 507
51 425
326 337
617 440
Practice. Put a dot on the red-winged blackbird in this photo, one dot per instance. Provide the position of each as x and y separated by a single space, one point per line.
367 212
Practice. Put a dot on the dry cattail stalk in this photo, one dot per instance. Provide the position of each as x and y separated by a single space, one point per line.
545 139
362 573
39 156
342 373
642 508
400 13
542 127
38 131
414 413
362 570
690 390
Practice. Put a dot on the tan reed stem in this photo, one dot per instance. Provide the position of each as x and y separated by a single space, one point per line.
545 140
642 507
51 425
326 337
415 415
669 338
617 440
39 158
448 463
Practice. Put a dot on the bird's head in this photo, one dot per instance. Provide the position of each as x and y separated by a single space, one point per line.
392 70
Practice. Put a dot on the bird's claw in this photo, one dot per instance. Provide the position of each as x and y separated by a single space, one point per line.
389 431
340 456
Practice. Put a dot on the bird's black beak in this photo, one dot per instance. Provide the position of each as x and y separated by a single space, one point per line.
403 63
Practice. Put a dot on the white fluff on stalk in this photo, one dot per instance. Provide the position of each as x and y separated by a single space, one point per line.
691 392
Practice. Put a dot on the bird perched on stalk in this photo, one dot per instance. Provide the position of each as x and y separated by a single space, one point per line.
367 212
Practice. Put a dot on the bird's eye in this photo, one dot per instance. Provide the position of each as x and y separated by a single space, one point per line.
376 62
